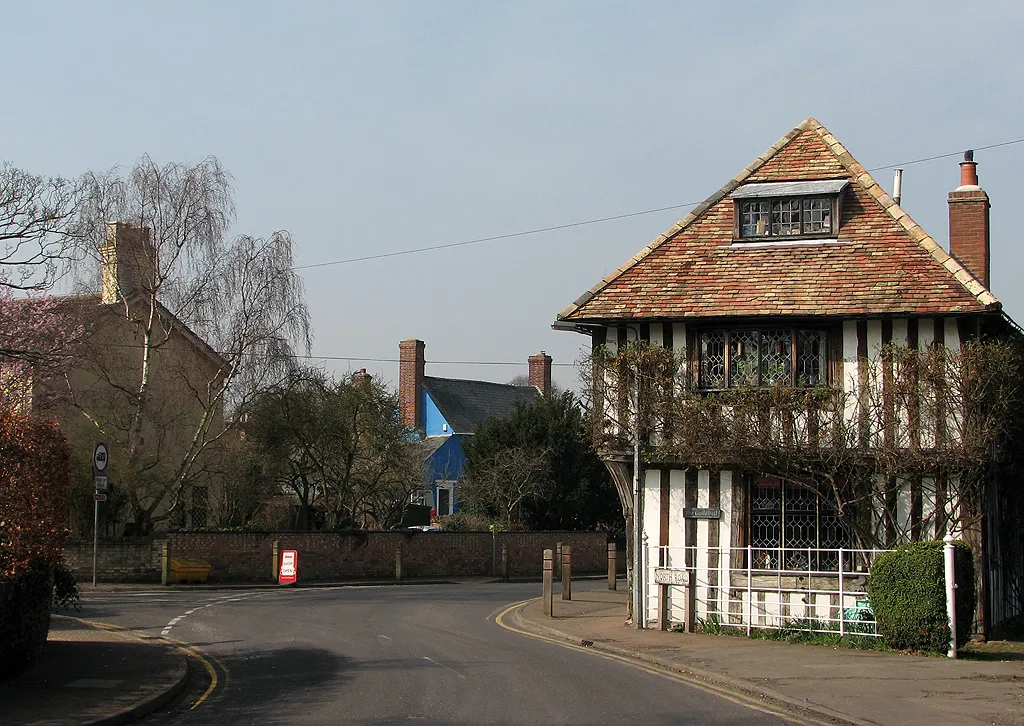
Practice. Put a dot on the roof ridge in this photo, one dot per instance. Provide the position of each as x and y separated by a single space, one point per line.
472 380
860 176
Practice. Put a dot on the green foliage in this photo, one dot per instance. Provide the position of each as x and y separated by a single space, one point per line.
908 596
575 491
24 617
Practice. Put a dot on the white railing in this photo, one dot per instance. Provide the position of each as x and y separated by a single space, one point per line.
815 590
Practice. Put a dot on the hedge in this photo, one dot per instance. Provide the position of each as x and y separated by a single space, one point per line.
907 588
34 478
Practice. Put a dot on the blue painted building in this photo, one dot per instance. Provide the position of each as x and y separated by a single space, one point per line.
444 412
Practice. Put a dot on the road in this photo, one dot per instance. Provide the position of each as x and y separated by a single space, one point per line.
400 654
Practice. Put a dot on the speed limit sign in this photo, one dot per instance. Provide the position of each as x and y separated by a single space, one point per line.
100 459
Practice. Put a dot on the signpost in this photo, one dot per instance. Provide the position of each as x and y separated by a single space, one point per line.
100 459
288 573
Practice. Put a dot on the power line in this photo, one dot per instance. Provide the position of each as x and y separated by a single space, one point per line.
599 220
359 359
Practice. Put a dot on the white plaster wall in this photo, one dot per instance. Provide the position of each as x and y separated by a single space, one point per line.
952 335
657 334
903 505
651 528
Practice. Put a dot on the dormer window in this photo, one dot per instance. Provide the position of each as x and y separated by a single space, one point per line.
787 210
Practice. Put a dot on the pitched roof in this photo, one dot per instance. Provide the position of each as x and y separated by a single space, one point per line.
881 261
467 404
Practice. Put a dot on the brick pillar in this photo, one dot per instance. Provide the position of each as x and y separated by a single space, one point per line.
969 222
410 382
540 372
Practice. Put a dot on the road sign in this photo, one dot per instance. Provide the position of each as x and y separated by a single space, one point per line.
288 573
101 483
99 458
99 497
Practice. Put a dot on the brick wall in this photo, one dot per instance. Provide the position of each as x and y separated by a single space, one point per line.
324 556
123 560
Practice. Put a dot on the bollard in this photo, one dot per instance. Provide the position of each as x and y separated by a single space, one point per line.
949 562
558 559
504 562
398 564
566 572
165 562
548 589
276 560
612 574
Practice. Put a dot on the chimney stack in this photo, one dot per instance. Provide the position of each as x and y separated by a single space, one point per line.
410 382
969 222
128 262
540 372
361 379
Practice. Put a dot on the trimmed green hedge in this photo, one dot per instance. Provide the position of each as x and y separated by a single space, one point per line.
908 596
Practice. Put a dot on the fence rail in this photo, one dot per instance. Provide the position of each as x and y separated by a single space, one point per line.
815 590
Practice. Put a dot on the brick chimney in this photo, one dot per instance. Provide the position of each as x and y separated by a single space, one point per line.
410 382
128 262
361 379
968 222
540 372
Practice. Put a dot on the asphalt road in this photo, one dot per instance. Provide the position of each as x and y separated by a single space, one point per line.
399 654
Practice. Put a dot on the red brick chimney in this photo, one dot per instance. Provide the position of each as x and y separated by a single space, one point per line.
361 379
410 382
968 222
540 372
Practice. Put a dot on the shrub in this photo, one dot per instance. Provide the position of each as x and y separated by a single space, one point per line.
908 596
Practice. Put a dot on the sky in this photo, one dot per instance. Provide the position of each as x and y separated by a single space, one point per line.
366 128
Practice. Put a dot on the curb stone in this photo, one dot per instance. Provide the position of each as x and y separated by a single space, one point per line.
736 684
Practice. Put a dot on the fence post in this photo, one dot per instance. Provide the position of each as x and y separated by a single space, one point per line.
662 606
612 574
165 561
398 564
948 555
567 573
548 588
750 591
504 562
842 608
276 560
691 600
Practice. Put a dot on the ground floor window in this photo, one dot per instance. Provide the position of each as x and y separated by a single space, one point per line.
792 527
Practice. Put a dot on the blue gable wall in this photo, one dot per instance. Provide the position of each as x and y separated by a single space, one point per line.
434 422
447 462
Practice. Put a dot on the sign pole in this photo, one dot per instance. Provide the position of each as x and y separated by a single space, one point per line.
100 459
95 535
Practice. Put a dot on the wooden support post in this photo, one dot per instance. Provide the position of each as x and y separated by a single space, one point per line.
567 573
398 564
548 587
276 560
612 573
691 601
165 562
504 562
663 606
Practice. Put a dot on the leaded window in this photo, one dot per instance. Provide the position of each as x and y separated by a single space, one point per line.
786 217
762 358
793 528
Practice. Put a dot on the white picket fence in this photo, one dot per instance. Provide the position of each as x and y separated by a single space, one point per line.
817 590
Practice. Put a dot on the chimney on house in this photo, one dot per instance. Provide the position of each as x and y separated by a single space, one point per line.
361 379
128 262
540 372
968 222
410 382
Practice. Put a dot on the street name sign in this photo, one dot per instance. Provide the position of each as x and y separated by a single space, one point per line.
670 576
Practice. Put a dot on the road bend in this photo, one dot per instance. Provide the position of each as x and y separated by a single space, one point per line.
427 654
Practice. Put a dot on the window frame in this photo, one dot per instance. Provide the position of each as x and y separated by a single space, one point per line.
794 335
737 227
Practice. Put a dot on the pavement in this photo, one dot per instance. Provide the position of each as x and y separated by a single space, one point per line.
93 675
89 674
835 685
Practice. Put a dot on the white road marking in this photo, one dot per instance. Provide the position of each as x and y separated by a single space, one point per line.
219 601
445 666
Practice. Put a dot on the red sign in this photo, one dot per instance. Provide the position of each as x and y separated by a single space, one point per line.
288 573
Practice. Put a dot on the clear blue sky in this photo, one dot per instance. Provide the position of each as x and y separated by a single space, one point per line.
373 127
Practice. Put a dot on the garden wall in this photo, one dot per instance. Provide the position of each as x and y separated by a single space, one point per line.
326 556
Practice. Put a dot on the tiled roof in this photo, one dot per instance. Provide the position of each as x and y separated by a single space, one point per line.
466 404
881 262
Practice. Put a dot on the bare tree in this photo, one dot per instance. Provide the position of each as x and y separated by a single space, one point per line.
191 325
507 481
38 228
